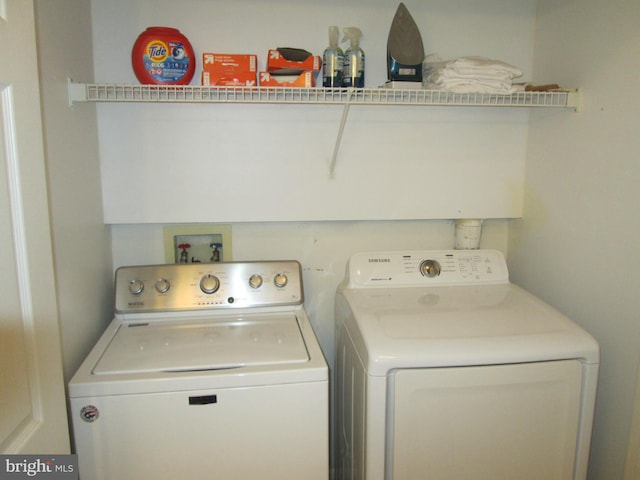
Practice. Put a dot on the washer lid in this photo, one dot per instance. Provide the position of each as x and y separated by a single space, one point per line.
203 344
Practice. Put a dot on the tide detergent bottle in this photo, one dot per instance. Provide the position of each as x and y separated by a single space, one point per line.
163 56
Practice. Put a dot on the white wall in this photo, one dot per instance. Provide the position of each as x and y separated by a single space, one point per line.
577 245
248 163
81 241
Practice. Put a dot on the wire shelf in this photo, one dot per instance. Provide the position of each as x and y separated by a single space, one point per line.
79 92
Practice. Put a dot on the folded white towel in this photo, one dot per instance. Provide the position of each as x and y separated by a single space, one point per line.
470 75
444 75
482 65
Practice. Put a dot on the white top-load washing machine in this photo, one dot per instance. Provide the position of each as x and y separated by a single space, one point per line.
206 371
447 371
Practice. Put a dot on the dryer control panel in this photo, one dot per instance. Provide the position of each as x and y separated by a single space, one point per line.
426 267
207 286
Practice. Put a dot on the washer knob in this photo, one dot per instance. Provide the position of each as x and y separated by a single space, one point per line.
430 268
280 280
162 285
209 283
136 287
255 281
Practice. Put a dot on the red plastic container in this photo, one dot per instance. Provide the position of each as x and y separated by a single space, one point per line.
163 56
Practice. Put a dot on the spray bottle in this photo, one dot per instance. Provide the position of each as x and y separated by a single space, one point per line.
353 72
332 61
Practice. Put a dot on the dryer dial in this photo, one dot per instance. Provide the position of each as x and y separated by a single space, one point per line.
430 268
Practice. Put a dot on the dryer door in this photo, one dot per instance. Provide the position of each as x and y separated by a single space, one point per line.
485 422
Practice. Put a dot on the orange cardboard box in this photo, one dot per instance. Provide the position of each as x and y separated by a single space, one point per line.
221 79
229 63
275 61
305 79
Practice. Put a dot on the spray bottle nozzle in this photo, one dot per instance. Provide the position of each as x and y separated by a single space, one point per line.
353 34
334 35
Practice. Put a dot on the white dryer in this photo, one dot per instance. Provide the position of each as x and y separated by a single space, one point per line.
447 371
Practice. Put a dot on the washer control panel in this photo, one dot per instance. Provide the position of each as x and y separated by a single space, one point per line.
427 267
200 286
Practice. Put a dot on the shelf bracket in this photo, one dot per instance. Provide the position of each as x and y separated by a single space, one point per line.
343 121
575 100
77 92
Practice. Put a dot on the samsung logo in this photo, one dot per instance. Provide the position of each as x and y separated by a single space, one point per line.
379 260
